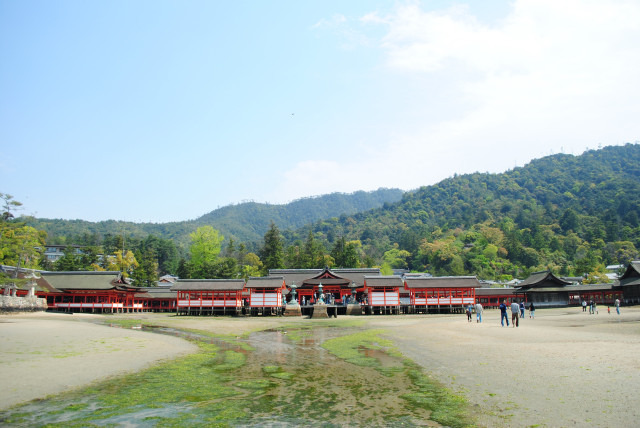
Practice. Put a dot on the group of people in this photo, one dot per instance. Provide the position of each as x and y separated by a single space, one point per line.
517 312
593 308
479 309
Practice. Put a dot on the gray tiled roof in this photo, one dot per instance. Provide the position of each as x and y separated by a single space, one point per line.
588 287
495 291
298 276
383 281
543 279
162 294
443 282
631 276
265 282
85 280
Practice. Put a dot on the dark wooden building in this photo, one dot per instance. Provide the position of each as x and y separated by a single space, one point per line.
544 289
629 283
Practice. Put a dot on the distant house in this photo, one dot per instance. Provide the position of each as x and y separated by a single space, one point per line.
167 280
613 271
53 253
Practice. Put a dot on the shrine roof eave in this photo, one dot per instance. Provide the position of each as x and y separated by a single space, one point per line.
313 282
628 282
274 282
443 282
383 281
495 291
543 279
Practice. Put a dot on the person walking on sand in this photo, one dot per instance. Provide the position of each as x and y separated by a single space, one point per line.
532 310
584 305
618 306
515 314
503 313
469 313
479 310
521 309
595 308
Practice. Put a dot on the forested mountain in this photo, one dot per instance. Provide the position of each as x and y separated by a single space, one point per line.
245 222
568 213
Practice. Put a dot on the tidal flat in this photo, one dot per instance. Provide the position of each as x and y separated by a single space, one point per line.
314 374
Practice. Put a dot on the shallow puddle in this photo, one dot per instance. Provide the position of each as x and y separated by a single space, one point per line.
325 376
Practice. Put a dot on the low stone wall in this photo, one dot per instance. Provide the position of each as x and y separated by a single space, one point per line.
22 304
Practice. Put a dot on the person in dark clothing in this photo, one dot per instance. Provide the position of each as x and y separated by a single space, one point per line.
532 311
503 313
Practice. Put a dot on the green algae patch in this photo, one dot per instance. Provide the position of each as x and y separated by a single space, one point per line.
277 372
235 340
349 347
125 322
231 360
354 374
255 384
446 407
190 384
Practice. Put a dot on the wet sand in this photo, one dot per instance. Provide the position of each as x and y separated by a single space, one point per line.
565 368
47 353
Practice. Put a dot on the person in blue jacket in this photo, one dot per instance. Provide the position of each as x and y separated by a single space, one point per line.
503 313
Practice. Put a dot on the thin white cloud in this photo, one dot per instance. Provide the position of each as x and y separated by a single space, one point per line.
550 76
350 36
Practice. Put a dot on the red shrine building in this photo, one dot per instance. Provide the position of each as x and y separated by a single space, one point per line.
337 284
444 293
209 296
266 295
383 294
89 292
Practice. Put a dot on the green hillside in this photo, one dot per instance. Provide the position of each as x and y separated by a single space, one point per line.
245 222
569 213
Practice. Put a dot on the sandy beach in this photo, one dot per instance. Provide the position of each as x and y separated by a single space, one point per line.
564 368
48 353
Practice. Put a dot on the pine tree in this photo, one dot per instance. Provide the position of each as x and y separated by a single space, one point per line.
272 253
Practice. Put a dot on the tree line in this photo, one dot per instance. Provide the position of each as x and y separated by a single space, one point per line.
572 215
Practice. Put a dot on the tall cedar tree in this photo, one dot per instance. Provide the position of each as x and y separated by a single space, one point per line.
272 253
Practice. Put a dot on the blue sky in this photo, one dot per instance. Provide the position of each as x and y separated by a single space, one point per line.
156 111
